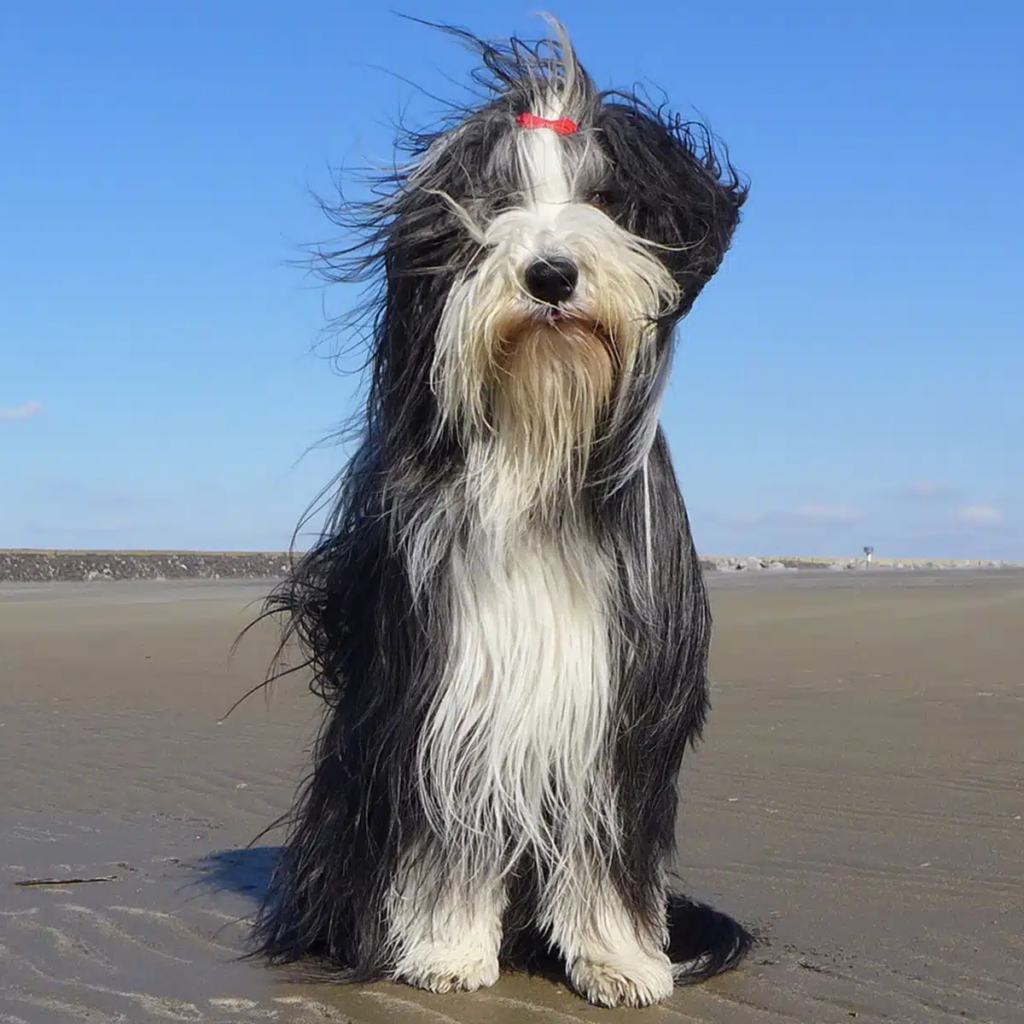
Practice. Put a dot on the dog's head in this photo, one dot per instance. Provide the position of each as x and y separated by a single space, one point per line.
538 252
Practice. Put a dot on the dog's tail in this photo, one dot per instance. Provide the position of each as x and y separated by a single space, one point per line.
703 941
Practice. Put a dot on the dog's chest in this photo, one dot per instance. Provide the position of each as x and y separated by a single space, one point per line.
519 729
532 629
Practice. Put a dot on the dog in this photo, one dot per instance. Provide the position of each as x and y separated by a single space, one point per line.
505 614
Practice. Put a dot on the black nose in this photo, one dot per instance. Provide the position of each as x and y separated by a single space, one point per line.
552 280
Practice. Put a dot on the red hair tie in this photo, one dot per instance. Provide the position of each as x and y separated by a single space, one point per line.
563 126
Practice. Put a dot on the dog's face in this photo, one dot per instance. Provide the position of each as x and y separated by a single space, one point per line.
555 304
552 239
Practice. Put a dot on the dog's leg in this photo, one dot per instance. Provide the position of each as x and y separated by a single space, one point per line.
611 958
446 933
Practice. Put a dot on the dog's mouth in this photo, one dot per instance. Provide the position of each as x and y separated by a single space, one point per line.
572 321
564 333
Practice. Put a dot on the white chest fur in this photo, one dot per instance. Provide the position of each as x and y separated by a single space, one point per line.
514 754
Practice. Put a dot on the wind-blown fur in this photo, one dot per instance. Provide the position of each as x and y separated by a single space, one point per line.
505 614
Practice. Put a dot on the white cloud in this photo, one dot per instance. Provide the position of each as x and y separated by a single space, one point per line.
980 515
826 514
21 412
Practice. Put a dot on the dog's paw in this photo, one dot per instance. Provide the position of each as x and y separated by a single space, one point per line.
452 971
639 979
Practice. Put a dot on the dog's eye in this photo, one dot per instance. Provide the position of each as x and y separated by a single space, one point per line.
601 198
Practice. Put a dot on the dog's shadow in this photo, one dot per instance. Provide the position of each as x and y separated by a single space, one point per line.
246 870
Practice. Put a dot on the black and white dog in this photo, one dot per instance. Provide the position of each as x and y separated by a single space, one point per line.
505 614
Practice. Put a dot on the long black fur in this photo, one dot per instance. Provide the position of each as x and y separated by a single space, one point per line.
348 602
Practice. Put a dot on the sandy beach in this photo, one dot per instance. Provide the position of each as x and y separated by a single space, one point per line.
858 801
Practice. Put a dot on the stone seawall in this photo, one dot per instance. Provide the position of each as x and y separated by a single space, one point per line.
44 566
755 564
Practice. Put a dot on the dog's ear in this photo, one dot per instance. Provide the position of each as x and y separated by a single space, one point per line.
669 185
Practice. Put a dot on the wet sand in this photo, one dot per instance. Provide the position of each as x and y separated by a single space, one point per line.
859 800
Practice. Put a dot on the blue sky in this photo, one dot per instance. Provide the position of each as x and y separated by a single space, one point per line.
854 375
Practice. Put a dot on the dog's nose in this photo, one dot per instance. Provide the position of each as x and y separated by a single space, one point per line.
552 280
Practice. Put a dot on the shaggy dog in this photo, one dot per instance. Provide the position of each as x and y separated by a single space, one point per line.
505 614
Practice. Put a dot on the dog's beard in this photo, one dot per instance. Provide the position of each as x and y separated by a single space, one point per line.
553 380
535 388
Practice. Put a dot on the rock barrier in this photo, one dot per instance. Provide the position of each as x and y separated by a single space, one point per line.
89 566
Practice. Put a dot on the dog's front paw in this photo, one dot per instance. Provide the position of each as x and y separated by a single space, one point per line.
450 971
638 979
